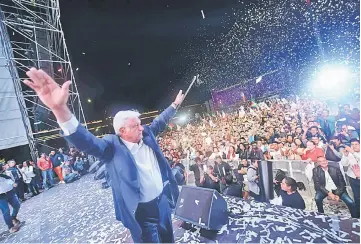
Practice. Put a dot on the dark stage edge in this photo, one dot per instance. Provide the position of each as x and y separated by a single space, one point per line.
82 212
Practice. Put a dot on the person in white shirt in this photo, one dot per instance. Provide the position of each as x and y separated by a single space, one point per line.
350 158
29 178
329 182
8 196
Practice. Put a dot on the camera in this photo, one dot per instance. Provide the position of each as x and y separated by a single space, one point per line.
333 143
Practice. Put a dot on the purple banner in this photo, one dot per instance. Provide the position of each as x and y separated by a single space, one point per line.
267 85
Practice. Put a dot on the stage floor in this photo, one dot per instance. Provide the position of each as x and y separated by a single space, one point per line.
80 212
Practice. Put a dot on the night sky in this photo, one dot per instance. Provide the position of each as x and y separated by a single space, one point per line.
138 54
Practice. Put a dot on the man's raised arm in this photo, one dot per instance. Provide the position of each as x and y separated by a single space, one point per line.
56 98
160 123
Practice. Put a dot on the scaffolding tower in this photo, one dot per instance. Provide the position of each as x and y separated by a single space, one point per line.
34 38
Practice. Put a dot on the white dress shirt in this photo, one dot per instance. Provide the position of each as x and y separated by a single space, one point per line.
350 160
149 176
330 185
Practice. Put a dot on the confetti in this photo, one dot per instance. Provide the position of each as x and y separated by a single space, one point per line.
268 35
203 14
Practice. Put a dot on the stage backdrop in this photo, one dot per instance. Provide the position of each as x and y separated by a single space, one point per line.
12 129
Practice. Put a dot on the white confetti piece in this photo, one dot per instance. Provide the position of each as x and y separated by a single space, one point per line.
203 14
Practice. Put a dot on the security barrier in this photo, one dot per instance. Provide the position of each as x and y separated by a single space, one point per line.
300 170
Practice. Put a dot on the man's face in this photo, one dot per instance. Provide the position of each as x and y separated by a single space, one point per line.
11 163
335 141
244 162
132 131
219 160
314 131
289 139
315 140
310 145
322 162
355 146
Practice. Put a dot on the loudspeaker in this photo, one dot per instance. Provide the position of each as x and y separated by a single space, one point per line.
203 207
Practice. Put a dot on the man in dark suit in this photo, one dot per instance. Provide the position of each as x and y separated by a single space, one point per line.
221 169
329 182
143 185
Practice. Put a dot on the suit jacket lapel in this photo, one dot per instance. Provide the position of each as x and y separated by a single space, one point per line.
125 149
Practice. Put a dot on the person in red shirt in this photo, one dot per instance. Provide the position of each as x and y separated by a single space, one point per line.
46 167
312 152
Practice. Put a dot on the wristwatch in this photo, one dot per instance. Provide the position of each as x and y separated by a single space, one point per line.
174 105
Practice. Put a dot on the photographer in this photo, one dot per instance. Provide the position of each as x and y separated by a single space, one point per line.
232 189
253 181
197 168
351 159
222 169
8 196
210 179
334 150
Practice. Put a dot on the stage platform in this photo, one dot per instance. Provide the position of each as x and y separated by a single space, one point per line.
82 212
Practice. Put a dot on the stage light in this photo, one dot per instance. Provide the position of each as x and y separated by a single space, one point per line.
182 118
59 70
331 81
332 76
89 100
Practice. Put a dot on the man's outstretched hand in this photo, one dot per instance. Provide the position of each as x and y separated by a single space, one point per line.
179 99
50 93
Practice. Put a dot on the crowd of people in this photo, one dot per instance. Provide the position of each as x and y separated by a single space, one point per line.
30 178
275 129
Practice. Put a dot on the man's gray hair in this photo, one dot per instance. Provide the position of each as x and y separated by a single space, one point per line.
121 118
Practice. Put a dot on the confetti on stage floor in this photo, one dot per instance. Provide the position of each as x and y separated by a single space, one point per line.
82 212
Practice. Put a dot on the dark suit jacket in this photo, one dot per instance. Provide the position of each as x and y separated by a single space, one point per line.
320 180
122 171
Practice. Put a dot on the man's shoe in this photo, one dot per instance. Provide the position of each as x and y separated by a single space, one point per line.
16 222
14 229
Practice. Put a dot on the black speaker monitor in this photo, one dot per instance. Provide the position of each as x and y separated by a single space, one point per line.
203 207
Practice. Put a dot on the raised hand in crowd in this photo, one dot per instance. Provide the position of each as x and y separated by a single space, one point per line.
356 170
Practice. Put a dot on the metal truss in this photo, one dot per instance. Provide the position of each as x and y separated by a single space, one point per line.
36 39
